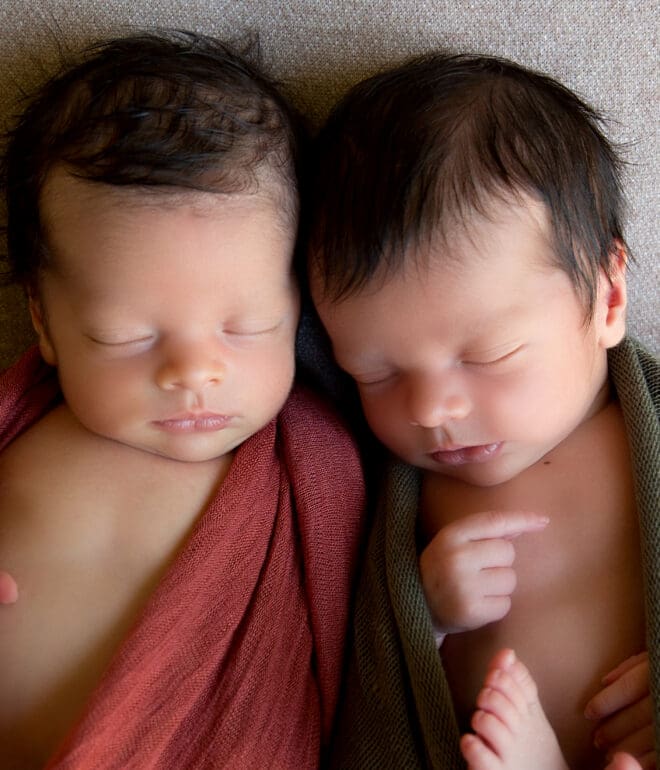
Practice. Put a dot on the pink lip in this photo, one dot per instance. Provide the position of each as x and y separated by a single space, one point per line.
194 423
462 455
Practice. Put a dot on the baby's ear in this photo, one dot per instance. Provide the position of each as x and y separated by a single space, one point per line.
41 327
612 298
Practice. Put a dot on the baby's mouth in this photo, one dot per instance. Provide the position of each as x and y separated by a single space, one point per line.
463 455
194 423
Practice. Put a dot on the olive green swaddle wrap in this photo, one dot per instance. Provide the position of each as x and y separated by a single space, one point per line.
397 712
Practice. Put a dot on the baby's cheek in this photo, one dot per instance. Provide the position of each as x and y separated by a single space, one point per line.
380 417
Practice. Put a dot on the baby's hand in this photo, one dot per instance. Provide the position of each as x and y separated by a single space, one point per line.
467 571
8 588
625 711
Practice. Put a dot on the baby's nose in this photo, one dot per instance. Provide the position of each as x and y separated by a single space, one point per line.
432 402
191 369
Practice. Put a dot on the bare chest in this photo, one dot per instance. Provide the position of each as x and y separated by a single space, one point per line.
88 535
577 610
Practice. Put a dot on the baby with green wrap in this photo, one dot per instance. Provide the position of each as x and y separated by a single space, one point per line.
468 262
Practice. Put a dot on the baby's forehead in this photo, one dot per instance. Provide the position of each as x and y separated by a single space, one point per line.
503 215
506 225
65 196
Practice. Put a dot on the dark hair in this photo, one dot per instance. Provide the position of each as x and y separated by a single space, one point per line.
410 151
161 111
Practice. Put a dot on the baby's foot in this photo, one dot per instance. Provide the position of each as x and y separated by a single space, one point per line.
512 732
622 761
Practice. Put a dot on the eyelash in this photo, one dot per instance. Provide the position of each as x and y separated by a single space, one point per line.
499 360
135 341
258 333
379 381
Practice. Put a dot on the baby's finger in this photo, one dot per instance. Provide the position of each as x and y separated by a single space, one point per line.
623 761
494 608
487 554
498 581
447 564
627 722
622 668
640 744
624 691
8 588
474 612
490 525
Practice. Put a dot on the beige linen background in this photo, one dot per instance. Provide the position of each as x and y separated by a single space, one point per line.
604 49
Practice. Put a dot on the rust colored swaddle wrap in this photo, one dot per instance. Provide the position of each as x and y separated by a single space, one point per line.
235 660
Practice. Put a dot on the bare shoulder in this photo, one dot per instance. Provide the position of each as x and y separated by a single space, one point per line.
43 473
51 454
68 493
76 511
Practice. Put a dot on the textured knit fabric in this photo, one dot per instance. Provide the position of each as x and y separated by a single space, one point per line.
396 711
235 661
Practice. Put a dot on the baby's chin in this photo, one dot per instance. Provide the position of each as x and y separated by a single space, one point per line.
190 452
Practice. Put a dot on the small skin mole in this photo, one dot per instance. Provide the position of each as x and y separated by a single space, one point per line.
546 462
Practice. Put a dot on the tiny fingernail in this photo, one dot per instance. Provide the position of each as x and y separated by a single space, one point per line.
510 657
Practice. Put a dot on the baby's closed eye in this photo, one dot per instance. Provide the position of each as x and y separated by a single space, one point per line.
121 338
491 357
252 328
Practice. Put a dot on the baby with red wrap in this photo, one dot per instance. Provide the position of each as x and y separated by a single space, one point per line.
181 523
